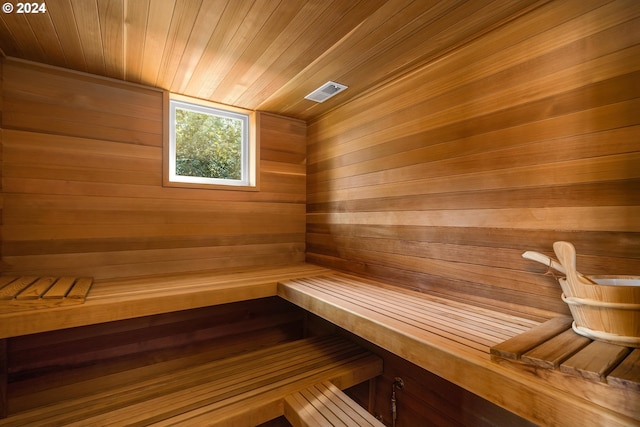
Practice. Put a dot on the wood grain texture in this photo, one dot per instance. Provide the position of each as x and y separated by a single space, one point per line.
267 55
82 166
514 347
441 179
628 372
595 361
452 340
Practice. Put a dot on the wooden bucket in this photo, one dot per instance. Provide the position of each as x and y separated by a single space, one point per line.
604 308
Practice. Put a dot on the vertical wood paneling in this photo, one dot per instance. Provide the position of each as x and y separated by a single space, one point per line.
524 136
83 185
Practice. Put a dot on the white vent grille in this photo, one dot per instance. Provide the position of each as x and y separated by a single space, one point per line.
325 91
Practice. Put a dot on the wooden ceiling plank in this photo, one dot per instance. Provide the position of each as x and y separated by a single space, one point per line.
206 21
340 22
382 32
9 45
111 16
268 55
182 25
241 34
158 23
88 23
276 36
63 20
230 17
299 45
135 29
25 42
45 32
390 52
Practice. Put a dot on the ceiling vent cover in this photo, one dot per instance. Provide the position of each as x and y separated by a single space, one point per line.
326 91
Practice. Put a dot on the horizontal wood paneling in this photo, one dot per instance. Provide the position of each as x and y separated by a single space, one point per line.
529 134
82 175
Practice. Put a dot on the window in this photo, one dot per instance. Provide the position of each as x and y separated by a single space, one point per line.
210 145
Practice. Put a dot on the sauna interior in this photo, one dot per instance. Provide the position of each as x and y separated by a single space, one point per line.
390 218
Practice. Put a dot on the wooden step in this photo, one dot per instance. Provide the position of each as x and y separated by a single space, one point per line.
325 405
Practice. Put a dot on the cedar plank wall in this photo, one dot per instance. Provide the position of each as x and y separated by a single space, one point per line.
527 135
82 173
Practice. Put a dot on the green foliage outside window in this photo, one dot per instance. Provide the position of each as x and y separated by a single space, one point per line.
207 145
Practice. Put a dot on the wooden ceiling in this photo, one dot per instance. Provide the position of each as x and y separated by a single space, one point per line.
256 54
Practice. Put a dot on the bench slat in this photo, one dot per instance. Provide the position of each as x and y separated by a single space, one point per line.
15 286
60 289
553 352
627 374
594 361
36 289
515 347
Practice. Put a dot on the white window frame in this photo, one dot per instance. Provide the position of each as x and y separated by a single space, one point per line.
249 150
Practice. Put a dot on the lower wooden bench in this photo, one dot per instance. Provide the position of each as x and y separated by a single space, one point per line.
325 405
242 390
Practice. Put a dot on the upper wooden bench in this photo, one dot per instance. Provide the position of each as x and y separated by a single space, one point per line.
453 340
110 300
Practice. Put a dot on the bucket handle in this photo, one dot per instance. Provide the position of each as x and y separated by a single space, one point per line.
543 259
566 253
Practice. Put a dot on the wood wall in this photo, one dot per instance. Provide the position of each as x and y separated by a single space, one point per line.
525 136
83 194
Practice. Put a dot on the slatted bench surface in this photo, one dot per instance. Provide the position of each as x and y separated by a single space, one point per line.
464 328
453 340
325 405
246 389
554 345
33 292
126 298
